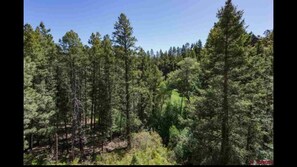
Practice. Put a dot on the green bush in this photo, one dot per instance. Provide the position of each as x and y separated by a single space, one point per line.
173 136
134 161
39 159
179 143
147 149
75 161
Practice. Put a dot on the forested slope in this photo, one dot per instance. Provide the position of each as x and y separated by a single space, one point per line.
193 104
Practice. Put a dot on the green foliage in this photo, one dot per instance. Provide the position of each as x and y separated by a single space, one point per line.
147 149
185 78
39 83
123 33
40 159
134 160
124 41
207 105
179 143
75 162
173 136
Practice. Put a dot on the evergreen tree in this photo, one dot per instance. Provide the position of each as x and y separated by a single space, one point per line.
224 49
197 49
77 97
257 100
124 39
152 54
73 49
39 87
108 85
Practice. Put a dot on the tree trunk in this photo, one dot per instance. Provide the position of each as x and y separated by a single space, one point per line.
110 102
121 117
93 147
66 132
94 114
93 95
225 134
91 125
57 138
85 112
79 121
127 101
31 141
81 147
74 113
80 132
57 147
73 136
49 142
102 144
225 127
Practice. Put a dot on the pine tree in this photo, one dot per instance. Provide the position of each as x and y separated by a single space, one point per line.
154 80
63 97
95 56
124 39
39 87
258 99
152 54
211 104
108 79
140 87
197 49
72 49
225 58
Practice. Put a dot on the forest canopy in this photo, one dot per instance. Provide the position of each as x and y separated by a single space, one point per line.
111 102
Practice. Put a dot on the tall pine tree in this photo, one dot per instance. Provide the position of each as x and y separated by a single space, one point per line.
124 39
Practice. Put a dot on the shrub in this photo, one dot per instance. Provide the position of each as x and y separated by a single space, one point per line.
134 161
147 149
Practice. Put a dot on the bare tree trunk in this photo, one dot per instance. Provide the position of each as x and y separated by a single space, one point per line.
66 133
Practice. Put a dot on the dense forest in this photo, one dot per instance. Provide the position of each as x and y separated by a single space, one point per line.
111 102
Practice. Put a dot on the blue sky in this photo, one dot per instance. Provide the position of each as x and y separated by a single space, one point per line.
157 24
